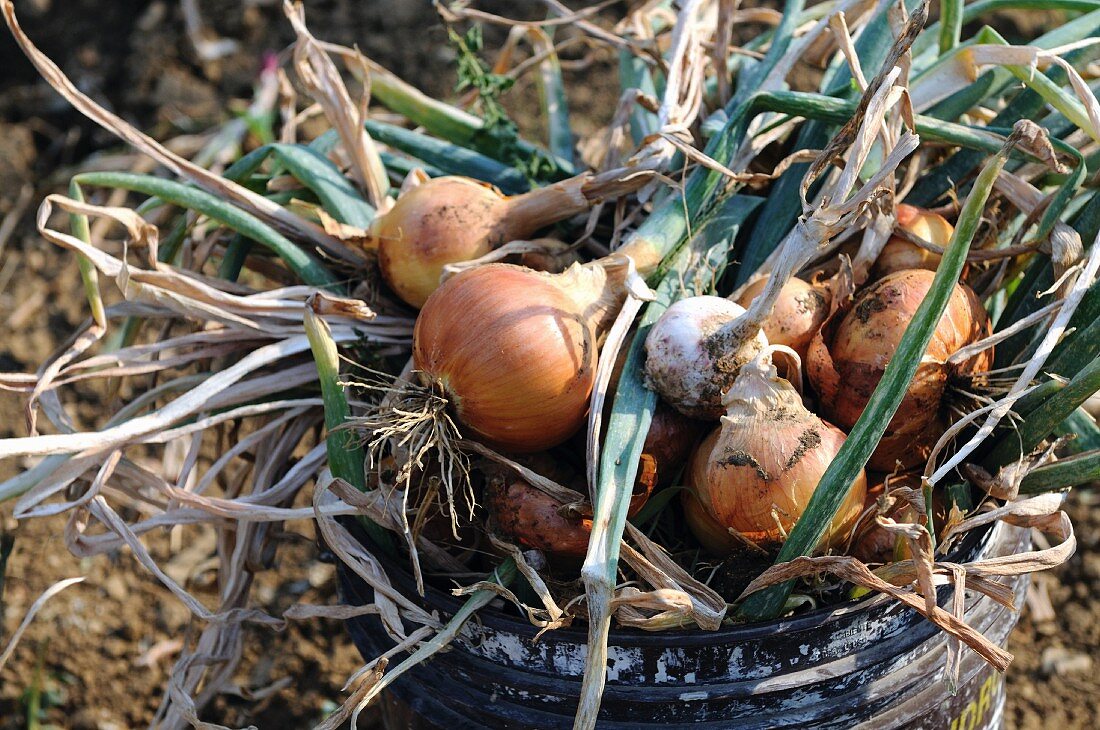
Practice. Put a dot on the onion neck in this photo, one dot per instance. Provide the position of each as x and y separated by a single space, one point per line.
524 214
758 389
598 288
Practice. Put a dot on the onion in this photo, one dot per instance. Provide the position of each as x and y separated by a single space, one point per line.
515 350
899 254
536 520
687 354
873 543
669 442
447 220
845 365
756 472
798 314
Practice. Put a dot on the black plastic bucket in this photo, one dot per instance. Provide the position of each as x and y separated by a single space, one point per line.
873 662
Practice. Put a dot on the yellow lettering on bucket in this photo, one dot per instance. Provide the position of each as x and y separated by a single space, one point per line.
985 697
975 712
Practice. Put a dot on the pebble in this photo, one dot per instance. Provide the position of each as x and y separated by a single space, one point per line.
1060 661
116 587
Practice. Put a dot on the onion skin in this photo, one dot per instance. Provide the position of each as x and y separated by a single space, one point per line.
899 254
537 521
686 355
874 543
845 370
798 314
447 220
768 453
670 440
515 350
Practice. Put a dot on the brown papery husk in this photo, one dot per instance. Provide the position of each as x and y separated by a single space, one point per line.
554 259
849 355
873 543
756 472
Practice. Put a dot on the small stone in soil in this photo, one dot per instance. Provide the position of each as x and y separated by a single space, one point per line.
1060 661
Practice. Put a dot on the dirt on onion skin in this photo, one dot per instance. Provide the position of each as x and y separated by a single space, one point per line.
88 640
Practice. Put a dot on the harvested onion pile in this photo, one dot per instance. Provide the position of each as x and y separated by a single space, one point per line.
628 378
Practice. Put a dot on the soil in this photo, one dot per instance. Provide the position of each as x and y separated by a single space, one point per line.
98 654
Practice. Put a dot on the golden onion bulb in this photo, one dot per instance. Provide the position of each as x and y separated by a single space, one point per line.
447 220
846 365
755 473
515 350
899 254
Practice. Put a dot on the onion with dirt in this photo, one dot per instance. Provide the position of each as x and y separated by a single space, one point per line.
688 354
752 477
845 365
797 315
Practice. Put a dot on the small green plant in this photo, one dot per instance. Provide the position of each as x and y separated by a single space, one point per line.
500 131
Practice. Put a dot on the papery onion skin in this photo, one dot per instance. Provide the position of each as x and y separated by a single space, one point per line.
442 221
514 350
535 520
797 316
756 472
874 543
899 254
685 363
846 370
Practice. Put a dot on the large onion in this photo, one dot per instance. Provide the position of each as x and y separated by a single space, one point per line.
447 220
845 365
756 472
515 350
899 254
